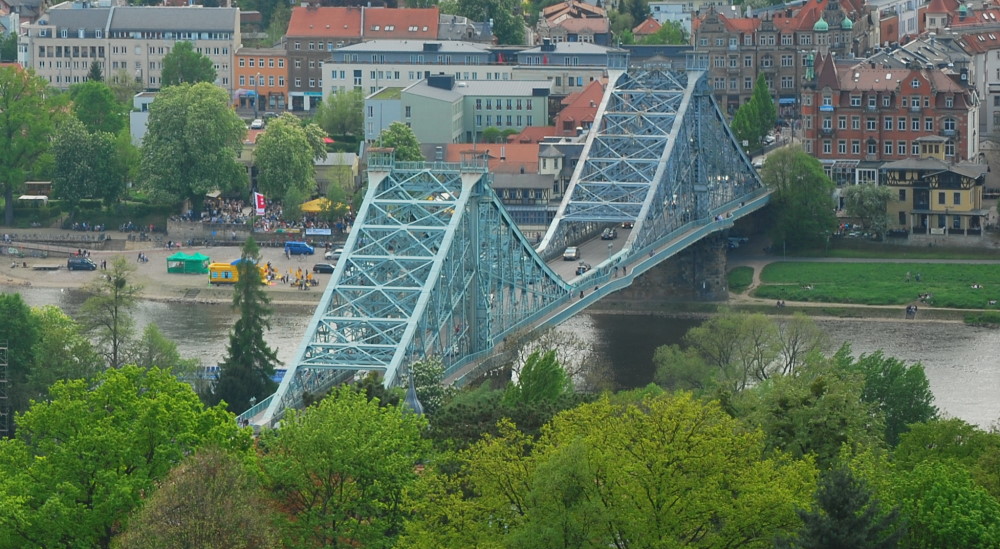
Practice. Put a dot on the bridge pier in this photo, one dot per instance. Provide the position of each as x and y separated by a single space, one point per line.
698 273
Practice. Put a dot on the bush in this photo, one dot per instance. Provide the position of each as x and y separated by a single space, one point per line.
739 279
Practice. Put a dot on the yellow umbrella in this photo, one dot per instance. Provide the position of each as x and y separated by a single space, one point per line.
316 206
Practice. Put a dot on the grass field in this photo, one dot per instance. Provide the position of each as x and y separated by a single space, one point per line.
950 285
739 279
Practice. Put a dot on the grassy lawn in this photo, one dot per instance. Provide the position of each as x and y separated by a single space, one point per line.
856 248
739 279
882 283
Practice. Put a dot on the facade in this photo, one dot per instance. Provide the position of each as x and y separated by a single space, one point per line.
859 117
458 27
935 200
441 110
263 74
138 119
314 32
573 54
382 108
780 45
70 37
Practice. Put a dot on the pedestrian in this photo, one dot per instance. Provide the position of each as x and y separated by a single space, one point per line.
918 277
907 276
581 294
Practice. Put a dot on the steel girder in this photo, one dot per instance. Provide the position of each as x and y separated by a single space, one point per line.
434 266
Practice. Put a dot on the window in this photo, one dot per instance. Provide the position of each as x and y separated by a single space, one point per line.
281 63
855 147
901 148
298 46
786 61
902 218
250 61
956 199
949 102
766 61
312 82
787 82
734 63
871 101
886 101
949 149
901 124
270 63
748 63
855 122
887 148
841 147
241 61
915 148
915 83
242 80
887 123
871 124
408 112
949 124
298 82
719 61
827 124
748 83
872 147
827 147
941 199
956 222
298 63
855 100
479 104
842 123
902 195
915 124
281 81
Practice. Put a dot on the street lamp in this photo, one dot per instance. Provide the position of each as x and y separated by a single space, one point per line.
256 95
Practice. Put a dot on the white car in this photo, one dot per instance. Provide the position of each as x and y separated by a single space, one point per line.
334 255
769 139
257 124
758 164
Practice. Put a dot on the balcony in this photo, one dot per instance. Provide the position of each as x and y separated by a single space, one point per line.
826 132
915 108
948 133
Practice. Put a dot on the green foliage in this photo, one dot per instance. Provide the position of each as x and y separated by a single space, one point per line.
154 350
86 165
211 499
291 202
508 22
739 348
880 283
943 507
801 209
107 313
739 279
868 202
638 9
577 486
845 515
671 32
246 371
764 107
340 468
124 86
20 330
343 113
61 352
284 158
26 123
942 440
191 144
184 65
84 460
95 105
400 137
542 379
491 135
428 380
680 369
901 393
8 47
95 74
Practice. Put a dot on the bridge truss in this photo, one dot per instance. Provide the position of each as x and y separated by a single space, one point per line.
434 265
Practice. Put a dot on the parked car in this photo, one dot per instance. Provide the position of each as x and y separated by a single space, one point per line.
609 234
257 124
298 248
769 139
571 254
324 268
80 264
582 268
333 255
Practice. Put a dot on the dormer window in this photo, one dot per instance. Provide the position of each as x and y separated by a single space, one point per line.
949 102
915 83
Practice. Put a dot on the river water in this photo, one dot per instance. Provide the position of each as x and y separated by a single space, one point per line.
961 362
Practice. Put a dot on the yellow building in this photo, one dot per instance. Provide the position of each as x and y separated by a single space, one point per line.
933 200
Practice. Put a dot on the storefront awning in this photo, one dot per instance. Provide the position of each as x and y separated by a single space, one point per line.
786 101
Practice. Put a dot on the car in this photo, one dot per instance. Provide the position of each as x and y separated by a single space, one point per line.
582 268
333 255
627 224
769 139
80 264
270 114
325 268
571 254
758 164
257 124
609 234
297 248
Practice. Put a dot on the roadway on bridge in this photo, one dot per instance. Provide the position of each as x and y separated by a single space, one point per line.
592 252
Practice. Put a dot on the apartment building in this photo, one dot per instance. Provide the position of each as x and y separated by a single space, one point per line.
71 36
261 79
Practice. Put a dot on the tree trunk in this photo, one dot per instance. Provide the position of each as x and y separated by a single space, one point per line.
8 211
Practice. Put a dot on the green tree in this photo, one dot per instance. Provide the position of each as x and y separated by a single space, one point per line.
943 507
86 165
291 202
191 144
801 209
767 113
491 135
942 440
84 460
247 369
26 124
428 380
578 485
284 158
107 313
95 104
901 393
400 137
680 369
62 352
508 22
19 329
339 469
744 125
124 86
8 47
740 348
184 65
95 74
154 350
127 157
868 202
542 379
343 113
211 499
670 32
846 516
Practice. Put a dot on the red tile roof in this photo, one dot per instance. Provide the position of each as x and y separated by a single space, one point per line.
515 156
533 134
581 107
647 27
325 22
401 23
572 8
979 42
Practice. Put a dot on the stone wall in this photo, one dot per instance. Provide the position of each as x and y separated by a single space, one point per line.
696 274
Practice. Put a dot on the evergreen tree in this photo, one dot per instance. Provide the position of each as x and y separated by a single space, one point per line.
95 74
767 113
246 371
845 517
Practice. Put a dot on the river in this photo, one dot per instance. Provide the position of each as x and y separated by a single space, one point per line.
961 362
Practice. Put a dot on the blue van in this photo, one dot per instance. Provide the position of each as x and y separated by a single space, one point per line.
298 248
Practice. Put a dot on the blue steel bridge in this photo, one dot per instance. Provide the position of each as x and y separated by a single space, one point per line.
434 265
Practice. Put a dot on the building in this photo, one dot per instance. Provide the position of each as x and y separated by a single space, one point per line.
935 201
263 73
646 28
573 21
458 27
579 110
69 37
779 45
569 66
138 119
857 118
442 110
382 108
314 32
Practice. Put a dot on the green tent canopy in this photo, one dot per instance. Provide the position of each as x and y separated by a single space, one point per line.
181 262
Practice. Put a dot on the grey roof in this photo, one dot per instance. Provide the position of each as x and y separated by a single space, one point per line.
550 152
64 16
967 169
338 159
416 46
188 18
479 87
521 181
458 27
577 48
423 90
278 50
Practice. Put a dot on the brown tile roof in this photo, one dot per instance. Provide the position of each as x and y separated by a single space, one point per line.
401 23
572 8
515 155
585 25
581 107
647 27
533 134
979 42
975 18
325 22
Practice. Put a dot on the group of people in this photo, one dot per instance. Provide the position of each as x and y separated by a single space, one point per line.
911 312
143 258
298 278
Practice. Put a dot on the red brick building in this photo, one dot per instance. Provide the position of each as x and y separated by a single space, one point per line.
856 118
